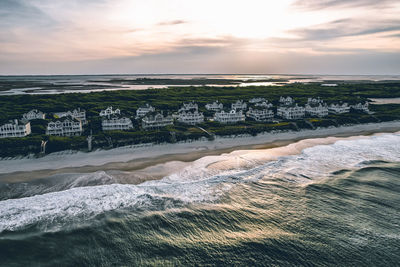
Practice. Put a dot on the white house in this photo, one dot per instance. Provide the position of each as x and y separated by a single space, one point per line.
65 127
287 101
115 123
151 121
339 108
229 117
189 106
291 113
314 101
109 111
216 106
256 100
260 114
239 105
143 110
76 114
34 114
191 117
317 111
361 107
15 129
264 104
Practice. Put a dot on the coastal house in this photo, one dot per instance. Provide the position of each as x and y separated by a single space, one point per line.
34 114
15 128
256 100
314 101
143 110
361 107
188 107
191 117
240 104
260 114
154 121
115 123
264 104
339 108
65 127
76 114
317 110
286 101
292 112
216 106
229 117
109 111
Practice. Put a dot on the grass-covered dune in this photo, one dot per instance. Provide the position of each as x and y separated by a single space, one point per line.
169 100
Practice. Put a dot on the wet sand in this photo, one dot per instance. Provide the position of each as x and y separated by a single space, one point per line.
143 165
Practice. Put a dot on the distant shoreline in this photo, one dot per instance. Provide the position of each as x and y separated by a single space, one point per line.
138 159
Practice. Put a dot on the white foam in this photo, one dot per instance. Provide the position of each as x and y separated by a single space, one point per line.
67 159
200 181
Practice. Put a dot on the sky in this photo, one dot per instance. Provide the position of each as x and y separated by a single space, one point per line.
193 36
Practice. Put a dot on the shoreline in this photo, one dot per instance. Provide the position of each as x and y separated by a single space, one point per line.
144 160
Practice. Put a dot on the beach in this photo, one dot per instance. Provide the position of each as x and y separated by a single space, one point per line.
290 194
149 162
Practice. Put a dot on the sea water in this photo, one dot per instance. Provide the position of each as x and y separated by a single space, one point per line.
327 204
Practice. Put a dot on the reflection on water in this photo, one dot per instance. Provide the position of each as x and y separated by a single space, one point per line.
383 101
328 205
95 83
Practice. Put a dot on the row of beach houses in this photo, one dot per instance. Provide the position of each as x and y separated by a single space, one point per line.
70 123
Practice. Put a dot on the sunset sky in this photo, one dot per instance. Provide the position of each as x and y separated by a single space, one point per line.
208 36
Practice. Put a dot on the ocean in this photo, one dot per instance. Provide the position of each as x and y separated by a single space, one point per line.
332 204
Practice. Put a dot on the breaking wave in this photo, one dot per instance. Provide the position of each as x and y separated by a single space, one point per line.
203 181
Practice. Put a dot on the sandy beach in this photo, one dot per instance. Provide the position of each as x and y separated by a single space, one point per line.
149 162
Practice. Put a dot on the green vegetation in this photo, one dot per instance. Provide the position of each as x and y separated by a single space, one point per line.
171 99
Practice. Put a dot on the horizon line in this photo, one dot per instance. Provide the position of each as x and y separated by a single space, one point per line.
190 74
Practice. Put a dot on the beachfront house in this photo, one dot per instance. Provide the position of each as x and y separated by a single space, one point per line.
240 104
264 104
232 116
317 110
157 120
115 123
188 107
260 114
361 107
34 114
143 110
216 106
314 101
286 101
291 113
256 100
15 128
339 108
191 117
67 126
109 111
76 114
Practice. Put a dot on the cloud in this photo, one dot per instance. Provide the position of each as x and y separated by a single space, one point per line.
345 28
171 23
97 36
323 4
216 60
14 13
